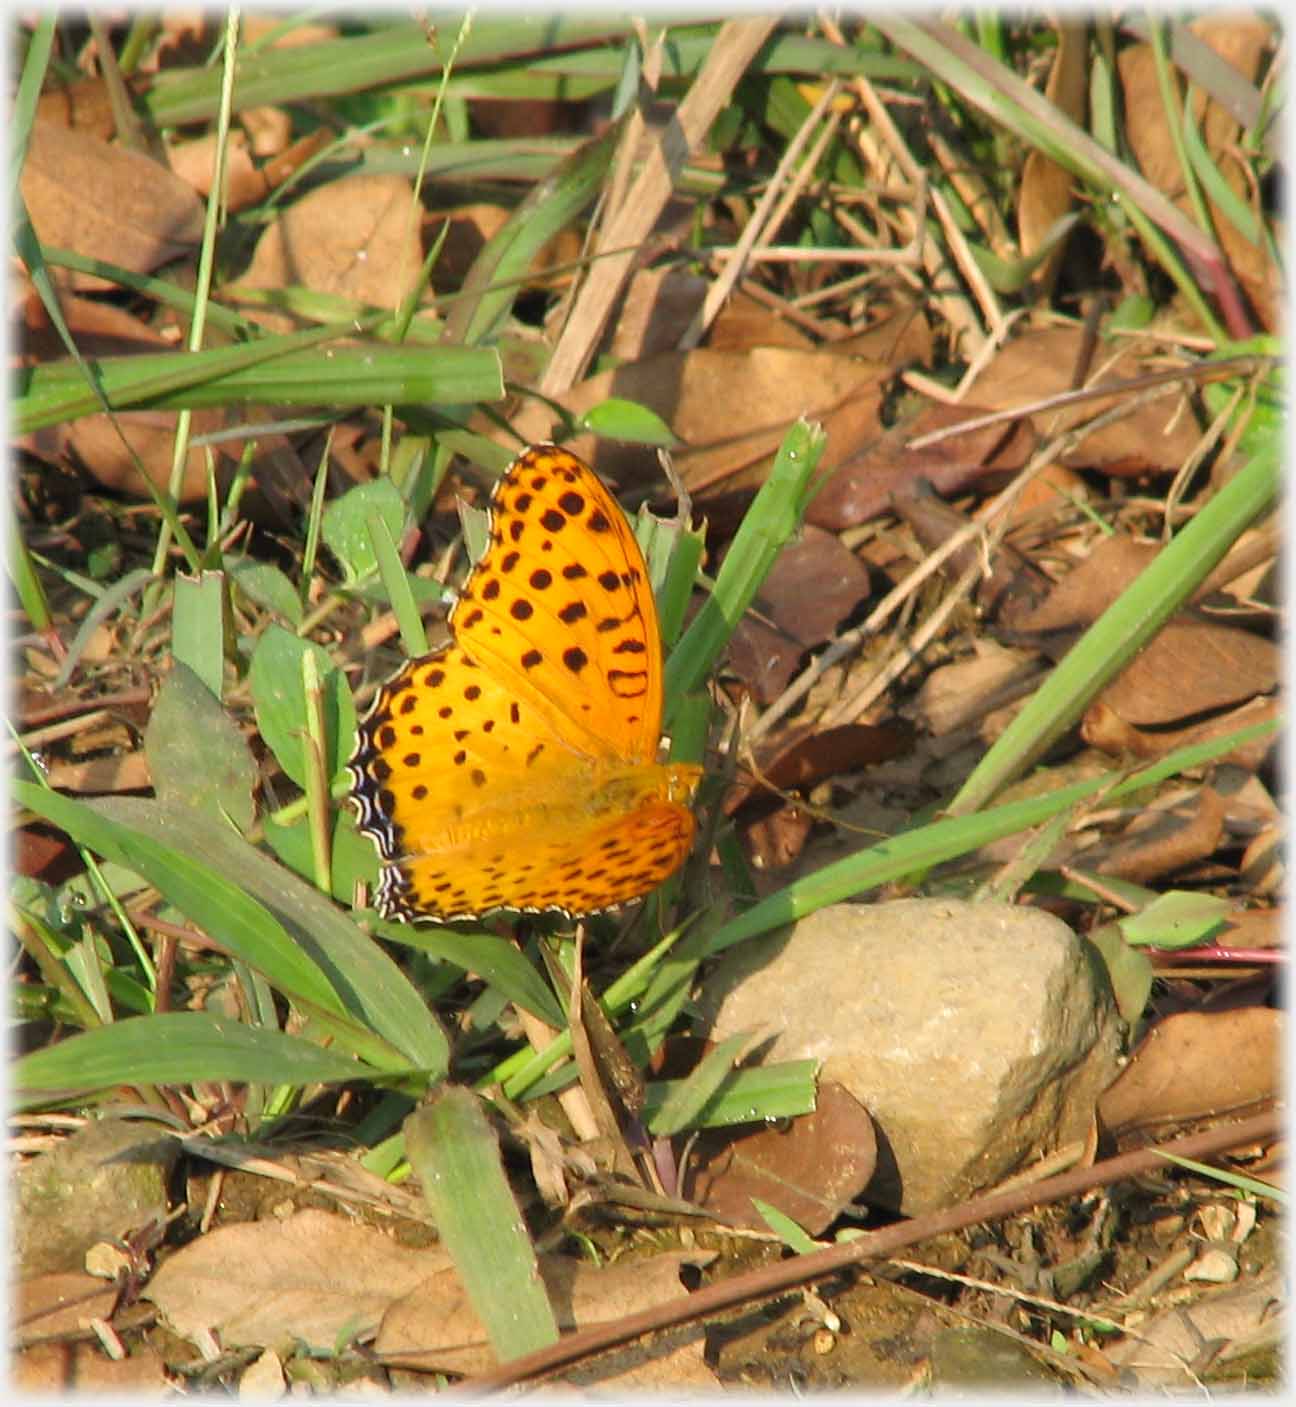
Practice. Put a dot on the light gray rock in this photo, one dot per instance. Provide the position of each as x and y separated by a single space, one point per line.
978 1036
107 1179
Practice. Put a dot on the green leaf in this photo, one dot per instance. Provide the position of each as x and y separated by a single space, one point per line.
495 960
456 1155
1176 919
492 285
265 585
196 754
345 527
618 419
279 699
219 906
778 1091
173 1048
1129 971
771 521
388 1023
688 1097
793 1236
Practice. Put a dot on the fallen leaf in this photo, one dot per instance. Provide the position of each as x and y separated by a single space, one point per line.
353 237
863 486
1194 1065
59 1303
306 1278
813 589
811 1169
435 1328
1163 839
730 408
61 1369
1041 362
107 202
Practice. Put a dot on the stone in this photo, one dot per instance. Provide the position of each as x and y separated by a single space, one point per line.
101 1183
978 1035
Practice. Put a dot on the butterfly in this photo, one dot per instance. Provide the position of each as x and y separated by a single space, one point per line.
515 767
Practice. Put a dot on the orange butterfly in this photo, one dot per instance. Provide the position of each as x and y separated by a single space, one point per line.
516 766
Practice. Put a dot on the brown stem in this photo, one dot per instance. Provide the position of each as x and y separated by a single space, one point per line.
871 1246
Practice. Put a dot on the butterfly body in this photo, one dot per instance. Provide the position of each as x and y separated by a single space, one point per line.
516 766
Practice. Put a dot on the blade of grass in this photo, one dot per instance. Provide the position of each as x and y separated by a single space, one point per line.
1123 629
271 371
774 516
175 1047
456 1155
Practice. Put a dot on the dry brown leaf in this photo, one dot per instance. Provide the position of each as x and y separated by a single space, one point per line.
59 1303
745 322
1103 728
658 307
711 400
966 690
107 202
60 1370
815 585
1193 665
864 484
1042 361
1252 928
195 163
306 1278
100 775
358 237
1196 1064
1161 839
811 1169
82 105
434 1326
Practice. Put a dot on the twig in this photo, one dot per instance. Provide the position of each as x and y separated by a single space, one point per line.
872 1245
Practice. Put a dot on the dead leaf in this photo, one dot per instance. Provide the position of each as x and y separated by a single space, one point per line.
59 1303
730 408
1165 1354
1195 1065
810 1169
814 587
434 1327
659 305
107 202
306 1278
61 1369
1193 665
1163 839
745 322
1042 361
1241 40
861 487
358 237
